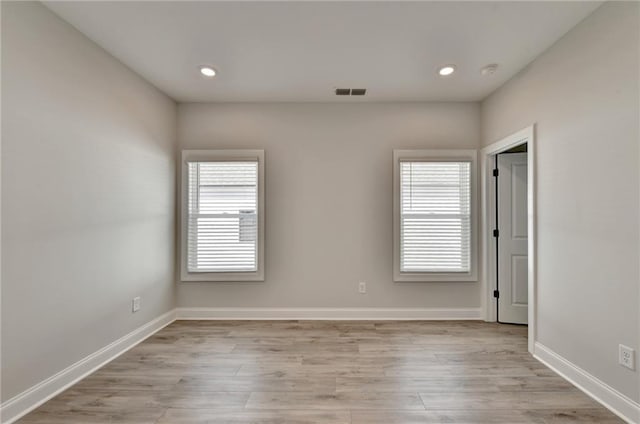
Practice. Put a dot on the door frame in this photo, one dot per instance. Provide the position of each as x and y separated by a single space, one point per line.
489 271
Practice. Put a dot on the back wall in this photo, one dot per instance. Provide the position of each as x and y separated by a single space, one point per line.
329 198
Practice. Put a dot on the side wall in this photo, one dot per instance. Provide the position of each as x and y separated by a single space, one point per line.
88 165
583 96
329 200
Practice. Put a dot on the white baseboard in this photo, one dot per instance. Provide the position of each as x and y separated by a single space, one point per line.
25 402
610 398
329 313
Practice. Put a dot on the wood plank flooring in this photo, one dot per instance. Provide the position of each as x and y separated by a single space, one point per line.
303 372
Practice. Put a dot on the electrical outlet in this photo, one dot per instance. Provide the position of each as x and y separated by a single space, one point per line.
135 304
362 287
627 357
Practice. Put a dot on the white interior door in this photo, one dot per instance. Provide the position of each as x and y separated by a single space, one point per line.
512 238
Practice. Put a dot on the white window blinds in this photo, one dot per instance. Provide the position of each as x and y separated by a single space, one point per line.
222 233
435 216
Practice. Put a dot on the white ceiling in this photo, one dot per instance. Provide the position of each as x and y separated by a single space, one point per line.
301 51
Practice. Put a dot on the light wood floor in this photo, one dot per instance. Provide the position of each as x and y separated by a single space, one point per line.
325 372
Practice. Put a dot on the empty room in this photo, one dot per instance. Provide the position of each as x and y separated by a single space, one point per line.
332 212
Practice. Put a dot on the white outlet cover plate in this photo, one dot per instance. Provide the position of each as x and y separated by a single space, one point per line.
135 304
627 357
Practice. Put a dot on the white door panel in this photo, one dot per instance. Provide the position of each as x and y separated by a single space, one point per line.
512 240
519 292
519 197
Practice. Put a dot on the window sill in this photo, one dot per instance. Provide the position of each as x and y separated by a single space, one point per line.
187 277
434 277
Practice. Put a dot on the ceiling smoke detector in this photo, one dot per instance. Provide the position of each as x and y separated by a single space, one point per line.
489 69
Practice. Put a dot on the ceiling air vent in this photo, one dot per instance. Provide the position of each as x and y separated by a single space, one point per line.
351 91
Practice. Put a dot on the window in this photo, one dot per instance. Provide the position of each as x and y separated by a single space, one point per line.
222 215
434 215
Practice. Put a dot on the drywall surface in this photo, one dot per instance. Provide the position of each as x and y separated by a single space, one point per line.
583 96
328 198
88 181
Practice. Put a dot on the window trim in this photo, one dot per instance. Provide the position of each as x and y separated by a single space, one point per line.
213 156
438 155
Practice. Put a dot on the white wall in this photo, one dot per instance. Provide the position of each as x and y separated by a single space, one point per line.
88 165
583 95
328 198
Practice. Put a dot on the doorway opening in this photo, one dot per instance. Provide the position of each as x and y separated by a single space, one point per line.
510 235
508 217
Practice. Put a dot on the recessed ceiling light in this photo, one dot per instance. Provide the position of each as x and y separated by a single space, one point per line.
446 70
208 71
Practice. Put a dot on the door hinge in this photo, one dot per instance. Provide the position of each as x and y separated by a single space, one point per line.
496 172
496 294
496 233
